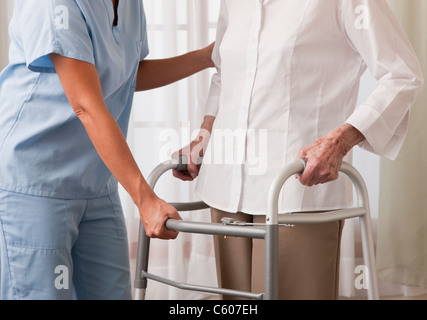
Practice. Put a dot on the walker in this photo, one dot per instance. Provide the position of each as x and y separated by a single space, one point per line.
268 231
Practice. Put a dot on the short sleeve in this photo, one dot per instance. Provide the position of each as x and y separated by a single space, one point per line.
144 45
52 26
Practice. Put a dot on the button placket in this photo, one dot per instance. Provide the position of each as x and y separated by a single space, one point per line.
242 121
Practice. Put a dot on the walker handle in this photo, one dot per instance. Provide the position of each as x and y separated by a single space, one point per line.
304 162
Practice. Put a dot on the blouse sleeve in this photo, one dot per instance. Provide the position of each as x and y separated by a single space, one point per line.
374 32
52 26
212 103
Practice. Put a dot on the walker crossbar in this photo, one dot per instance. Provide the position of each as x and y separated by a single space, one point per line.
321 217
269 232
186 286
216 229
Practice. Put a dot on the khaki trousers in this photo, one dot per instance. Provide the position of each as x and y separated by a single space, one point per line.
308 259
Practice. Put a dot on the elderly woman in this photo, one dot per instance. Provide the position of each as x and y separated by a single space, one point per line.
288 78
65 101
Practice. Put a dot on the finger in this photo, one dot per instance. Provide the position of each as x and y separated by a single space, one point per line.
160 231
320 174
175 215
183 175
306 176
168 234
163 234
312 180
330 176
310 175
301 155
193 169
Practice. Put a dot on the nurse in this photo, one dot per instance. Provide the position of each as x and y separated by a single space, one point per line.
286 88
65 102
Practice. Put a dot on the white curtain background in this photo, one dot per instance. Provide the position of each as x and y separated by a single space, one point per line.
6 8
402 236
165 119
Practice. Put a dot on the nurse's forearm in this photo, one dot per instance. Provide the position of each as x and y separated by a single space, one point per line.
158 73
82 87
111 145
113 149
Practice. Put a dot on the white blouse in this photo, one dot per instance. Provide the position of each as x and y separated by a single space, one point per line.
288 73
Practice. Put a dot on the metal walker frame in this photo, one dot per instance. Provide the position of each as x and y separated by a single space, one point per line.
269 232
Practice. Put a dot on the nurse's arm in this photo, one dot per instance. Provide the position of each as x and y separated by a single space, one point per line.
83 89
158 73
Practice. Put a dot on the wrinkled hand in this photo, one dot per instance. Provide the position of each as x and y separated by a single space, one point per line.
154 213
325 155
324 158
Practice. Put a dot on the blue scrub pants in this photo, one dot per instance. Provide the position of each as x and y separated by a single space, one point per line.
53 249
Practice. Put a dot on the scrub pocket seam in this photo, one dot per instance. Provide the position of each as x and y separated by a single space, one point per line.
18 115
6 250
59 243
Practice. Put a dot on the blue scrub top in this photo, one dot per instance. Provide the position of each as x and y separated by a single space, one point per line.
44 148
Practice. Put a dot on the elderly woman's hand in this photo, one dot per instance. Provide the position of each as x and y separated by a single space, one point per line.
194 151
325 155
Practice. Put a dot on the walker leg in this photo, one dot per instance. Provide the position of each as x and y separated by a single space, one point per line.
369 256
271 277
143 251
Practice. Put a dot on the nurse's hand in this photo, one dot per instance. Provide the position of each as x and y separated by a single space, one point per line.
154 212
325 156
194 151
156 73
